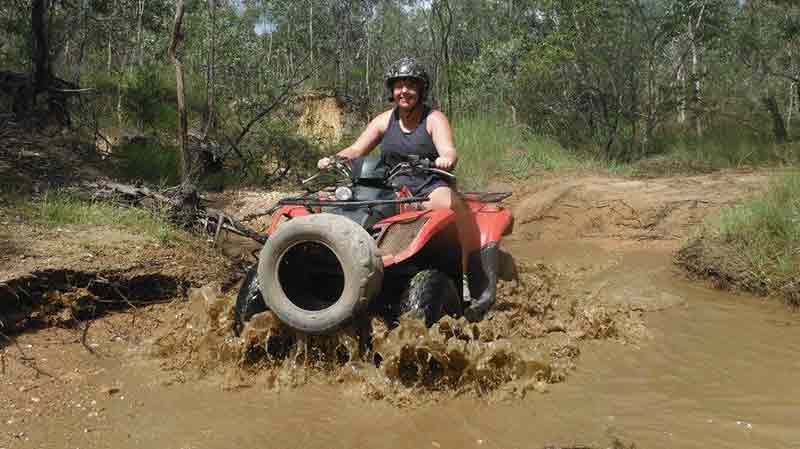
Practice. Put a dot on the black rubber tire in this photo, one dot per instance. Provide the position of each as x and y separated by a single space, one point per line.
249 301
360 264
430 295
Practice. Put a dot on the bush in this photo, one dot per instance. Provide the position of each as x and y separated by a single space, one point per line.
273 152
150 161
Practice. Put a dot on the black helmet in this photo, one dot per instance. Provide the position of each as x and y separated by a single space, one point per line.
407 68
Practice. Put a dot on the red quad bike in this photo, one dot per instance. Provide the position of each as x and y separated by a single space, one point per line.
362 245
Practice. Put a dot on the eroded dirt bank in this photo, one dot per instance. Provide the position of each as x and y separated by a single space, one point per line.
599 339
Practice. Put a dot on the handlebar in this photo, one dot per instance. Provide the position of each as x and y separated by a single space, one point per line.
337 163
414 163
405 165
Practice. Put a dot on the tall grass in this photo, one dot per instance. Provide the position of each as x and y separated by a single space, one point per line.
765 233
488 147
767 228
727 147
57 209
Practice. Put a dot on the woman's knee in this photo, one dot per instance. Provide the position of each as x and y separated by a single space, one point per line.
441 198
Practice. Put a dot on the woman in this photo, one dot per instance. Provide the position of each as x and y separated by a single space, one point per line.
411 128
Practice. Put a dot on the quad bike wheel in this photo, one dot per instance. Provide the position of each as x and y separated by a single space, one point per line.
430 295
319 271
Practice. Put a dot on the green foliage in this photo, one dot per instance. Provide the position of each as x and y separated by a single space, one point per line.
274 152
488 146
14 45
608 81
150 161
56 209
489 78
766 232
146 92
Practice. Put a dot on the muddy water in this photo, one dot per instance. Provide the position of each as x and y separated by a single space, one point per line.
720 371
715 370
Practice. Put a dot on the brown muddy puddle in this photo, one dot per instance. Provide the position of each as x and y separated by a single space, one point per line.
529 341
712 369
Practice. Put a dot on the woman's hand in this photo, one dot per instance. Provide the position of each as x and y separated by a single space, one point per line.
324 163
445 163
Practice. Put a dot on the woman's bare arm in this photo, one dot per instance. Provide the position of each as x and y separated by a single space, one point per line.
442 135
366 142
368 139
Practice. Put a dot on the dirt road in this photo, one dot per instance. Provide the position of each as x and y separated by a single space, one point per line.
632 351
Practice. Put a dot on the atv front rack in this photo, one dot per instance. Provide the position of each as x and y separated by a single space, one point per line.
303 201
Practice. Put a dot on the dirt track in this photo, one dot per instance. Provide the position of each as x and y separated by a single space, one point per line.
596 287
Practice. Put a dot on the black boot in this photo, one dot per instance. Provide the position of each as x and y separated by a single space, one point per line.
482 280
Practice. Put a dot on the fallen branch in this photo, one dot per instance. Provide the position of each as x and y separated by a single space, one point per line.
211 220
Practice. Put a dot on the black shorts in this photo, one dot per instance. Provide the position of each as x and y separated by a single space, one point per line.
423 185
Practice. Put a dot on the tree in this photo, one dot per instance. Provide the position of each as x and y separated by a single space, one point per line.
188 163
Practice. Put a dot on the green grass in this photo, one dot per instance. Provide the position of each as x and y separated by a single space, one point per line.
734 154
764 233
56 209
727 148
489 147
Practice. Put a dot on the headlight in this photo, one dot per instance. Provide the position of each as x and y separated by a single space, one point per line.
343 193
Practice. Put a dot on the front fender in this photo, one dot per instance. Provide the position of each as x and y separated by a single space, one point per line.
420 227
494 224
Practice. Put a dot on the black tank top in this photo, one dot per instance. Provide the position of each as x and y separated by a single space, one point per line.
417 142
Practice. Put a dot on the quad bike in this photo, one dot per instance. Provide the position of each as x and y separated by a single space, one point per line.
363 244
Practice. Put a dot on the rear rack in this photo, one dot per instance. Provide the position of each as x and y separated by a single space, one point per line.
486 197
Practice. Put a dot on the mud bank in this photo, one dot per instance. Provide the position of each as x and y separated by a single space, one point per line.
66 297
726 268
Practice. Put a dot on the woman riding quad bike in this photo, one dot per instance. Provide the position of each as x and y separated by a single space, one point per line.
395 234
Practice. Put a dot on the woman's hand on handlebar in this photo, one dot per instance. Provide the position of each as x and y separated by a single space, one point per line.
327 161
445 163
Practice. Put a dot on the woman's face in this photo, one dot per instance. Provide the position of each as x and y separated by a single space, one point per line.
405 92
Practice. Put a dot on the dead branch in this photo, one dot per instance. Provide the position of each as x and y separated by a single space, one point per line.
127 301
211 220
84 334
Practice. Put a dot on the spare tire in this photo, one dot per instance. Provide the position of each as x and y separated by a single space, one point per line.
317 272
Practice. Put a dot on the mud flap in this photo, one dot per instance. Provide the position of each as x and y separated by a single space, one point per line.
482 280
249 300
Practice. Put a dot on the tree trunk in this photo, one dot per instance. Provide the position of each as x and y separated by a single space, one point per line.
289 52
311 30
697 98
778 125
188 175
681 79
78 62
139 40
444 14
790 108
209 122
41 47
